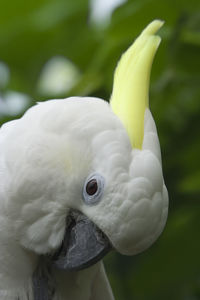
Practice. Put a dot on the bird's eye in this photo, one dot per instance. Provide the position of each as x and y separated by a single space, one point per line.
93 189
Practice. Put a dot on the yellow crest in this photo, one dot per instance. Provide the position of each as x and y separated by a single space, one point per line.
130 93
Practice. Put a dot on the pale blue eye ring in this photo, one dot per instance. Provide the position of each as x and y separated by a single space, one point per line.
93 189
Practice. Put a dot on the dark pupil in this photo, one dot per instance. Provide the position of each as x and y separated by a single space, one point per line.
91 187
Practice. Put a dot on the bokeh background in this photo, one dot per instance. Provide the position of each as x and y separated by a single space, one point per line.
58 48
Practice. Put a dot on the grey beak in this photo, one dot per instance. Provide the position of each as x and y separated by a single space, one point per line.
84 244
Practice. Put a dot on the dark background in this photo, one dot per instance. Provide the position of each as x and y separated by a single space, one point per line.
54 48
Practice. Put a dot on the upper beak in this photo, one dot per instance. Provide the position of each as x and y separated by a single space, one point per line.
83 245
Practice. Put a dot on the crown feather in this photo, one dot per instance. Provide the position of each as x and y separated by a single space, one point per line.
129 98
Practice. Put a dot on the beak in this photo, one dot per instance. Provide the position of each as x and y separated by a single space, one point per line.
83 245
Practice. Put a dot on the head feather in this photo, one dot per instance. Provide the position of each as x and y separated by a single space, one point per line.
129 98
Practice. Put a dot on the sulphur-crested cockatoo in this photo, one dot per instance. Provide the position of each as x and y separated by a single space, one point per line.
79 177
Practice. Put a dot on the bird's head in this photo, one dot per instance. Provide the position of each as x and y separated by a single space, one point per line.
79 175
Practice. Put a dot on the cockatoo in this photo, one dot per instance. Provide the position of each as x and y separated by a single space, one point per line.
79 177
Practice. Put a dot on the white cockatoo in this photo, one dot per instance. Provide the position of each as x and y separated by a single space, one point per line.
79 177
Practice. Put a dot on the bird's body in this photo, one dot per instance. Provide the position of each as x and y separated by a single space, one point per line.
72 185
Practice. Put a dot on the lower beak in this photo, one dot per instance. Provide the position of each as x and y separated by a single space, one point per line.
83 245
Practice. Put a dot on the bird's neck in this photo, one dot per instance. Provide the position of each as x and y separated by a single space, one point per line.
16 271
51 283
25 277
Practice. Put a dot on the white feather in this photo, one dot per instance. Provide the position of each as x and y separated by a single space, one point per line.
45 158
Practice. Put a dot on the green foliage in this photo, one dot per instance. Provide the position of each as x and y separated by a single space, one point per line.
32 32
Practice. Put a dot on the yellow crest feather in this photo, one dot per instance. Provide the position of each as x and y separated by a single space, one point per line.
131 82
